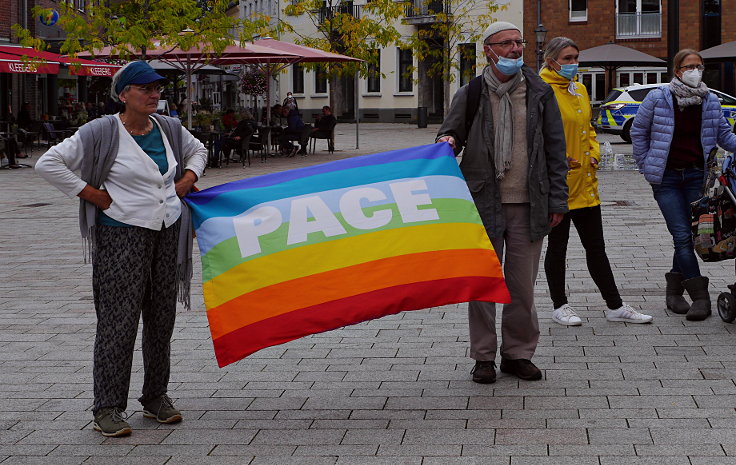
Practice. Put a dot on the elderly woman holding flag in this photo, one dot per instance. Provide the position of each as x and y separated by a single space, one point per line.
134 167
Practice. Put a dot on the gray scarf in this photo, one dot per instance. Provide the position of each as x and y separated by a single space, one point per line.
504 122
687 96
100 144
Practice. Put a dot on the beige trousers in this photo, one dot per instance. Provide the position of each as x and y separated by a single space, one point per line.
519 324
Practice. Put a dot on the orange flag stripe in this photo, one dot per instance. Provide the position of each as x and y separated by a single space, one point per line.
353 280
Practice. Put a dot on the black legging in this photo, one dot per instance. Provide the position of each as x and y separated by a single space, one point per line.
589 225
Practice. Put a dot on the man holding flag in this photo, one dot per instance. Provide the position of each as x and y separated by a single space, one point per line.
508 122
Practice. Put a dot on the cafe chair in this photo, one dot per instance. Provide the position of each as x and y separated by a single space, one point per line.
322 134
263 145
25 138
52 134
245 149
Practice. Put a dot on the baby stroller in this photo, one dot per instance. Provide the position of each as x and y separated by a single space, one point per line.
727 300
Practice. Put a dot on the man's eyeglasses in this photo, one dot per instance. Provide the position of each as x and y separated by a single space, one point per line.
509 43
692 67
148 90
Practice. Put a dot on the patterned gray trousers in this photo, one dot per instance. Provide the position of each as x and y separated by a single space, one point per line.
134 275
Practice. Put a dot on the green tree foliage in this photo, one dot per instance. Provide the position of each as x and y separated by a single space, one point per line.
339 26
347 29
450 23
131 27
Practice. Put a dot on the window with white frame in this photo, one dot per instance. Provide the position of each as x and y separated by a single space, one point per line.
406 70
578 10
297 79
373 82
638 18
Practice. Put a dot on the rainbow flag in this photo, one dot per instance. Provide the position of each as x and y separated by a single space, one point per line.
312 249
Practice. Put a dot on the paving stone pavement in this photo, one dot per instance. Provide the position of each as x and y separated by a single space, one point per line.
391 391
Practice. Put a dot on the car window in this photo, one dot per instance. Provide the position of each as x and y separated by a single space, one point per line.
612 96
639 94
724 98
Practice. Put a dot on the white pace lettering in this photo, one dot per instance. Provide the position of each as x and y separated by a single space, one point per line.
409 195
352 210
311 214
248 228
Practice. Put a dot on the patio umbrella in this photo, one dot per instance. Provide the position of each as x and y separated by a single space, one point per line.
192 60
612 56
164 67
723 52
305 55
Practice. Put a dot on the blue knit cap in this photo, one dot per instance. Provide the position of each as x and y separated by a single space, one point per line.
137 72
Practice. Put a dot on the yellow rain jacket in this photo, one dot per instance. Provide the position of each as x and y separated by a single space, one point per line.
580 139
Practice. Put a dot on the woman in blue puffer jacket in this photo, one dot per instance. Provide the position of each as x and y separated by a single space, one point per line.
675 127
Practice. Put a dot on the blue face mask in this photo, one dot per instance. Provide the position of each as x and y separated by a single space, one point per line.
508 66
568 71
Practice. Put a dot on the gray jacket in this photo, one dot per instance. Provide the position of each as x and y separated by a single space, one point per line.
547 177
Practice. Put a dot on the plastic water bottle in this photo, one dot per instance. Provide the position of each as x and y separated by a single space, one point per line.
606 156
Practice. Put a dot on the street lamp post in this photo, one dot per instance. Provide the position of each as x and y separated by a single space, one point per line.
540 34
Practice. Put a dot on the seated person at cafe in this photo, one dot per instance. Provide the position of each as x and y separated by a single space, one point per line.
78 115
9 149
25 126
92 111
244 128
24 117
295 130
228 119
324 125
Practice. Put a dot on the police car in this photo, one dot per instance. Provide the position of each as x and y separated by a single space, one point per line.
618 110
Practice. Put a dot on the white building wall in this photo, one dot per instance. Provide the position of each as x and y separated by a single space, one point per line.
389 103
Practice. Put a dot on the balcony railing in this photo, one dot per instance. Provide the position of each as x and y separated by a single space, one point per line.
329 12
425 12
634 25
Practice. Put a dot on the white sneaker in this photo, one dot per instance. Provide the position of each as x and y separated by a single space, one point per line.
566 316
627 314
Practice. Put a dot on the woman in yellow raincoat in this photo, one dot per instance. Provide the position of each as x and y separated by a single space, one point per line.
583 153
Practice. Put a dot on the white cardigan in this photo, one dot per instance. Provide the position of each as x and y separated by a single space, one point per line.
141 195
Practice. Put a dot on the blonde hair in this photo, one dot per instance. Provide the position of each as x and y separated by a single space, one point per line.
555 47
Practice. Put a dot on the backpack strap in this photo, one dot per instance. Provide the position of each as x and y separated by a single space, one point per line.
471 108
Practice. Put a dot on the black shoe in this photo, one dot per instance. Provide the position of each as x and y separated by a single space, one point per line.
484 372
521 368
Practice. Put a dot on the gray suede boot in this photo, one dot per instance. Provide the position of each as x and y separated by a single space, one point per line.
697 289
673 294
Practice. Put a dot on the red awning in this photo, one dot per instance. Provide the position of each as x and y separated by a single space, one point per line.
14 64
77 66
82 67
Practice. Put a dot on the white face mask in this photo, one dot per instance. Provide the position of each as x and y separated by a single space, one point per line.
692 77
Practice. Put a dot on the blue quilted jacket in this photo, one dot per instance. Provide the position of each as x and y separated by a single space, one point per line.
651 132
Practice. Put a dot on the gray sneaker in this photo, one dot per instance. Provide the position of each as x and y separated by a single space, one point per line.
111 422
162 409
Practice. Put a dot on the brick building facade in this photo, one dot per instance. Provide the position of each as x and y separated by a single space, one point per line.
639 24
